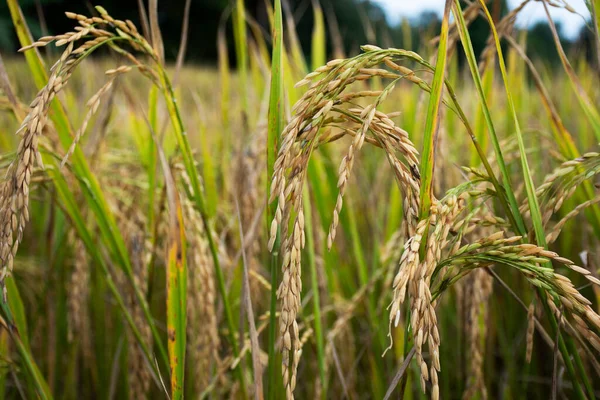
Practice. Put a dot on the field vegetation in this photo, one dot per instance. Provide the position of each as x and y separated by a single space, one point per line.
378 224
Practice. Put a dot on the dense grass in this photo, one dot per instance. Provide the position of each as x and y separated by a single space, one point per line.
219 233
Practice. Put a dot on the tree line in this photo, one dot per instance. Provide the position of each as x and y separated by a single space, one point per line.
352 22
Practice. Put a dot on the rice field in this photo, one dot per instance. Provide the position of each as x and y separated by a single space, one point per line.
367 223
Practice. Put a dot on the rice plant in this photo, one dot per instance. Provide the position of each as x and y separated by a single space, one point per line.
391 223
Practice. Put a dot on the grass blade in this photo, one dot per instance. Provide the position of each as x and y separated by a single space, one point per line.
183 41
529 186
594 7
224 80
299 63
433 119
561 135
318 55
241 51
176 283
506 190
157 42
587 104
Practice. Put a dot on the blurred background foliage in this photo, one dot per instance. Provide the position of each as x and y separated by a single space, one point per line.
359 22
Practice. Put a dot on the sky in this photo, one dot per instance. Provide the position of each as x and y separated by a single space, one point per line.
533 12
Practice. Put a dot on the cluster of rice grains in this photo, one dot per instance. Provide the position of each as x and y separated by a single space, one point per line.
324 115
327 113
14 194
414 278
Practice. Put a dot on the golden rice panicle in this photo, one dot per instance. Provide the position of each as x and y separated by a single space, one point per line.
414 278
346 168
14 193
288 295
561 184
408 263
93 104
300 137
293 155
531 259
425 322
